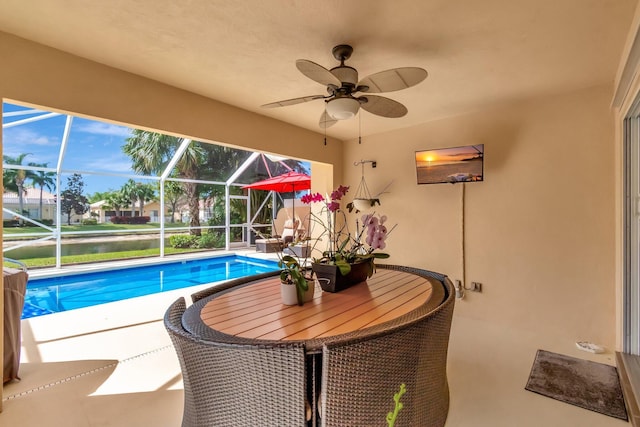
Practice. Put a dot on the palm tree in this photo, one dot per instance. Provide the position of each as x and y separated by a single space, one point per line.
14 179
43 180
116 200
128 191
138 192
145 193
98 196
172 195
151 152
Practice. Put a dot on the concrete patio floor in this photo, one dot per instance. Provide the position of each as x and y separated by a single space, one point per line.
113 365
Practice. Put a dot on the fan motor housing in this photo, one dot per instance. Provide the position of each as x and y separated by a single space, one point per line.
347 75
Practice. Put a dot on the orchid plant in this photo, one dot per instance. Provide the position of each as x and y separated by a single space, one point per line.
293 273
293 269
343 248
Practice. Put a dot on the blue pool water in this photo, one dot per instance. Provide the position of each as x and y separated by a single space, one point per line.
54 294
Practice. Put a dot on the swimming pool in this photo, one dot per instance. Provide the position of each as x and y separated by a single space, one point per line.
62 293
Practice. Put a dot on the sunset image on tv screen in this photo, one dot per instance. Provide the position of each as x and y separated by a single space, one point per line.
452 165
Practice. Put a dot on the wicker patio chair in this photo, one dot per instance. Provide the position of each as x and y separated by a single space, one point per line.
237 385
361 375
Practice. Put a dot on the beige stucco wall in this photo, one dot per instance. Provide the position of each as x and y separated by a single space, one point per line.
37 75
47 77
539 231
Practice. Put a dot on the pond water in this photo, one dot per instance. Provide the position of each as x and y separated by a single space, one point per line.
97 247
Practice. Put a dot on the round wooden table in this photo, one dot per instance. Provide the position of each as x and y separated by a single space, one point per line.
396 303
253 310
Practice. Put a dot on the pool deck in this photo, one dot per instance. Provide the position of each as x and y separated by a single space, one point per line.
121 345
113 365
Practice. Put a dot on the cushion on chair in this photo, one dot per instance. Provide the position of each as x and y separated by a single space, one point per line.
289 231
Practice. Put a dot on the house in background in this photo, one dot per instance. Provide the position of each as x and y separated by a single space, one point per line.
102 212
31 204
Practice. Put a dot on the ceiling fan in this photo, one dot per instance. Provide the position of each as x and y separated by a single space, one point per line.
342 86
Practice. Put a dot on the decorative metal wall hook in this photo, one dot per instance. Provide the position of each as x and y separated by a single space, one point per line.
362 162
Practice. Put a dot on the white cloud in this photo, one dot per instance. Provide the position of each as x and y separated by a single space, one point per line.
113 163
98 128
24 137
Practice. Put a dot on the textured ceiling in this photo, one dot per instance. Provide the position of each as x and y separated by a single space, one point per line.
243 53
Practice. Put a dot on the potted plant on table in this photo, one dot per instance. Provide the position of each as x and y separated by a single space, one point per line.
296 278
297 284
348 259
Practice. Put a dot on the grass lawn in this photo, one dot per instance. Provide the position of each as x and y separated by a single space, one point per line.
18 234
109 256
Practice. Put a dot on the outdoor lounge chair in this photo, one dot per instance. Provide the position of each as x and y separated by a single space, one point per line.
238 384
278 242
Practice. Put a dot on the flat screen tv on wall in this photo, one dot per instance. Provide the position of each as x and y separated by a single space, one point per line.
450 165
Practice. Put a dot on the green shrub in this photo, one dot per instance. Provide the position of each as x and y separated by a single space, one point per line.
89 221
210 240
130 219
183 241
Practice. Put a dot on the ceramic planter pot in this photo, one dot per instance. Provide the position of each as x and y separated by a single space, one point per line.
362 205
289 295
335 281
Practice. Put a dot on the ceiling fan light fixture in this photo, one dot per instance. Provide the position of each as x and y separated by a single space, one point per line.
343 108
342 86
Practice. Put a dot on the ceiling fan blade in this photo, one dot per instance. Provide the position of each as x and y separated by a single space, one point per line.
317 73
392 80
292 101
382 106
326 120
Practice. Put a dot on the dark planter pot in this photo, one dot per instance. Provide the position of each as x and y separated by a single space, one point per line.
335 281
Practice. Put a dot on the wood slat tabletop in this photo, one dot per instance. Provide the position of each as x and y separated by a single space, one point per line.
256 311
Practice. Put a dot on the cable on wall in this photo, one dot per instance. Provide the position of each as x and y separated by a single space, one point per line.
462 230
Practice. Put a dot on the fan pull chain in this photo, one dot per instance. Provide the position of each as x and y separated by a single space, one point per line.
360 131
325 124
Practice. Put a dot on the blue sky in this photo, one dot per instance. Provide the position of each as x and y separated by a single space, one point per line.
92 145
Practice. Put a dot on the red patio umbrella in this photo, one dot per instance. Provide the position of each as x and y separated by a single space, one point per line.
285 183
